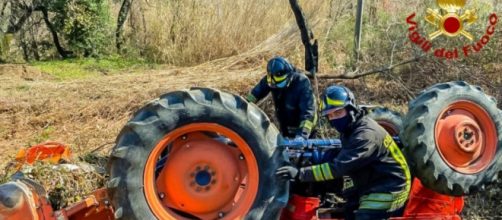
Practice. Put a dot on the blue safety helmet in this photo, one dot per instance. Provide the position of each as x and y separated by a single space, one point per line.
337 97
279 72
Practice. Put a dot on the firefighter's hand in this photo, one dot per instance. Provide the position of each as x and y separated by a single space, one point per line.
299 138
287 173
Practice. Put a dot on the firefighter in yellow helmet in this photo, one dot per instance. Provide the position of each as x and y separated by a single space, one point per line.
293 97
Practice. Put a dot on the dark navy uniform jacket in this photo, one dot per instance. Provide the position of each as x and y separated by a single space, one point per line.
370 157
295 106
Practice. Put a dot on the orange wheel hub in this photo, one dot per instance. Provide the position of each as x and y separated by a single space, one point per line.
466 137
202 177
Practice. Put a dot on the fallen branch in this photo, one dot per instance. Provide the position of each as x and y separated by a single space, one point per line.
262 102
357 74
100 147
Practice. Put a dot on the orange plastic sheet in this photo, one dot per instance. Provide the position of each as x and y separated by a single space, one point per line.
52 152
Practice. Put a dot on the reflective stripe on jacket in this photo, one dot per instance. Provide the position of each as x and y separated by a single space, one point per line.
374 162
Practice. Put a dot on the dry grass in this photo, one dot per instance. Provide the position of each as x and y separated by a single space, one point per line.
89 113
191 32
485 205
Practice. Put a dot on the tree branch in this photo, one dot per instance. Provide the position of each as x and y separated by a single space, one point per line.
14 26
357 74
64 53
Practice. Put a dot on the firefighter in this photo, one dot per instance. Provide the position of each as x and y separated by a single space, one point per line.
375 173
293 98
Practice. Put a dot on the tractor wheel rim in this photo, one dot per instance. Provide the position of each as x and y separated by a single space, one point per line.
202 177
466 137
392 129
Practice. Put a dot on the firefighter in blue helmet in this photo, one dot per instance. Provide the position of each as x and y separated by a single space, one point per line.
376 176
293 97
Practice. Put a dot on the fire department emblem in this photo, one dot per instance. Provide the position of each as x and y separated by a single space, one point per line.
448 20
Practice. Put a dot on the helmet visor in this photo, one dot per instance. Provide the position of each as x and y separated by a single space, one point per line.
279 79
274 81
331 105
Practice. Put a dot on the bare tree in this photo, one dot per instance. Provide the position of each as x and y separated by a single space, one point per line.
122 17
309 42
22 11
64 53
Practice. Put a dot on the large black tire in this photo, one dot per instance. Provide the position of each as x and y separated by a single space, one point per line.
421 148
391 121
176 109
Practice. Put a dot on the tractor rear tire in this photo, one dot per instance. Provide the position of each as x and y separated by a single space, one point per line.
453 138
391 121
185 118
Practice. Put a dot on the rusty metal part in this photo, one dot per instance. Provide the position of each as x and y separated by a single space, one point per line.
17 202
466 137
26 200
96 207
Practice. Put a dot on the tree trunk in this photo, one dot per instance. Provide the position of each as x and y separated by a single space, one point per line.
14 26
24 46
373 12
307 38
65 54
34 44
123 13
145 30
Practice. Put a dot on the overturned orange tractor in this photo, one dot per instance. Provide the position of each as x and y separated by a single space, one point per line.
206 154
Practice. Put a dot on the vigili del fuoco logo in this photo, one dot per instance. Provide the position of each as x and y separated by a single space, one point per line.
450 20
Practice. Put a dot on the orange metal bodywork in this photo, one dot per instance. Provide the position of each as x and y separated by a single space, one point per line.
28 202
427 204
466 137
96 206
423 204
301 208
191 149
24 201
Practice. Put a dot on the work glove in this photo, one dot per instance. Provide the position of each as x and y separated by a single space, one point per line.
287 173
299 138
